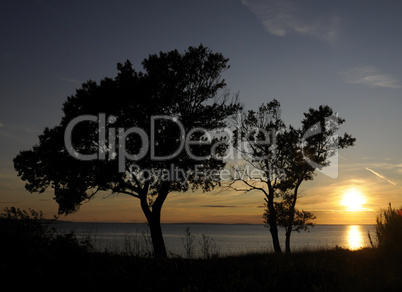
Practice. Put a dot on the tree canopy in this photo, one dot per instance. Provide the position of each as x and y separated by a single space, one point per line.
142 133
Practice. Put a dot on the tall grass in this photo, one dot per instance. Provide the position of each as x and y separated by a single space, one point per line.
188 243
208 247
134 245
389 230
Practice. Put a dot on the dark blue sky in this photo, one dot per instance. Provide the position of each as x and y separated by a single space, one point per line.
346 54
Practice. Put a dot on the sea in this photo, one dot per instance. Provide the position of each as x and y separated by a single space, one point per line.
219 239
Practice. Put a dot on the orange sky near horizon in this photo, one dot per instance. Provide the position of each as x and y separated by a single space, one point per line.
333 201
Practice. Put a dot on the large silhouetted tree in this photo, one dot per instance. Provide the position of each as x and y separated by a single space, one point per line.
279 158
144 134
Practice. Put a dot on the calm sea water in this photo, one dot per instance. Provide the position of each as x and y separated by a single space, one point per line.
226 239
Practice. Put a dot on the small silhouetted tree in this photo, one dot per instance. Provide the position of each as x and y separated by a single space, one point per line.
123 135
279 158
309 149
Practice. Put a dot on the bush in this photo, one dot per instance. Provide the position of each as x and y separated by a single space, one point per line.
389 229
27 234
22 231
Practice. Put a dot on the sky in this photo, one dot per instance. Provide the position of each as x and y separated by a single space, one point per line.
345 54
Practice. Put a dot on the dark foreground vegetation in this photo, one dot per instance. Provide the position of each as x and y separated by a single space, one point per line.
331 270
34 256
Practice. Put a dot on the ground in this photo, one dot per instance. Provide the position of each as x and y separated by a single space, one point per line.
325 270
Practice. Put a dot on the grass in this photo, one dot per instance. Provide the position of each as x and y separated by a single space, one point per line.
326 270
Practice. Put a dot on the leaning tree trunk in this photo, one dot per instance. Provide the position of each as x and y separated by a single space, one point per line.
153 215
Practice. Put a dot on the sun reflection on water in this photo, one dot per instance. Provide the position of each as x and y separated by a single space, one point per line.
354 238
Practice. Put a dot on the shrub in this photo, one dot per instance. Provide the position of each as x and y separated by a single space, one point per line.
27 233
389 229
22 231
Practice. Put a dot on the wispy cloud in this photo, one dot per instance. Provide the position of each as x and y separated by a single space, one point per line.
370 76
218 206
17 127
68 79
381 176
15 131
285 17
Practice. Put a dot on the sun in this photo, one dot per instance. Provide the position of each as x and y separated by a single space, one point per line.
353 200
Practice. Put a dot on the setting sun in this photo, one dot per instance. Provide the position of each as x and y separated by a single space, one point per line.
353 200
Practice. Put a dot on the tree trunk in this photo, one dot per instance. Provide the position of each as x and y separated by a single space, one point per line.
291 217
273 225
156 235
275 238
287 242
153 215
289 228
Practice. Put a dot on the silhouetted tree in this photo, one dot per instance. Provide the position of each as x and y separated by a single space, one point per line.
310 148
144 134
256 138
281 158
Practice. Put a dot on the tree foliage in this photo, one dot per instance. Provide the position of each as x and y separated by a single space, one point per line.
302 219
136 114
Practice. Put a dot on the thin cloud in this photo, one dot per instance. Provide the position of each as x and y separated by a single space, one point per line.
285 17
369 76
15 131
381 176
16 128
218 206
68 79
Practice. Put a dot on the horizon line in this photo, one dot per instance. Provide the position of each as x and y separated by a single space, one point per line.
205 223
